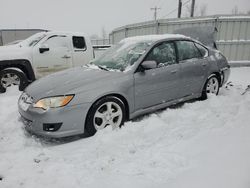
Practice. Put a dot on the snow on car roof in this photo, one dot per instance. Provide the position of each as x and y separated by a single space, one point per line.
152 38
65 33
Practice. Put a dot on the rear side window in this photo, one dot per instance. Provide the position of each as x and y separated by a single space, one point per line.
203 50
79 42
187 50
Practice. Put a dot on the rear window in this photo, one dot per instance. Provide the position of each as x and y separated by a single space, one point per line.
203 50
79 42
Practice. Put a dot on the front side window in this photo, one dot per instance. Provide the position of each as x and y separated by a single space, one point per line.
57 42
79 42
187 50
164 54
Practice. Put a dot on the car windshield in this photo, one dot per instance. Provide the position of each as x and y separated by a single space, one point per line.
122 56
13 43
33 40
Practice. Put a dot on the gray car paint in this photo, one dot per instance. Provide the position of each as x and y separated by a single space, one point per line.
144 91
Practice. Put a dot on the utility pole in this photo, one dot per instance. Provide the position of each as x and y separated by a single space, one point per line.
179 8
155 9
192 8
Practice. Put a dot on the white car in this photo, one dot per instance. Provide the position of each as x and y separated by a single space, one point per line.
40 55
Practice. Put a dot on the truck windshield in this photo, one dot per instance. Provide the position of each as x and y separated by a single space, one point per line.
33 40
123 55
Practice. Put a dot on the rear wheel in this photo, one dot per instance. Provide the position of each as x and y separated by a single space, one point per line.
108 111
12 77
212 86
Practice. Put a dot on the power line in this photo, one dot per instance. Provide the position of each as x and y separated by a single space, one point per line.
176 9
153 3
155 9
169 3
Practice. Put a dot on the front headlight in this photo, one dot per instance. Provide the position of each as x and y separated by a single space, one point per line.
53 102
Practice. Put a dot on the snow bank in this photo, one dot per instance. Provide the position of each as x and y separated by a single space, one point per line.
198 144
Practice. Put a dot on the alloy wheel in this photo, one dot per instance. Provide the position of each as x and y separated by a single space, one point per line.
9 79
212 86
109 113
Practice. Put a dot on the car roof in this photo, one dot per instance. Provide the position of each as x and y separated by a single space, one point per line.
65 33
153 38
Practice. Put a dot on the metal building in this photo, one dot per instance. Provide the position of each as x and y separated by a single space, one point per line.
10 35
232 36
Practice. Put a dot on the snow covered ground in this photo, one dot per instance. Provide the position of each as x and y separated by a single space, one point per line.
199 144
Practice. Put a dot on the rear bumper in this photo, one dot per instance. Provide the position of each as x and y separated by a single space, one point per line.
225 73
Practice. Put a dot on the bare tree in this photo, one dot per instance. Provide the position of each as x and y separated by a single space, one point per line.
203 10
235 10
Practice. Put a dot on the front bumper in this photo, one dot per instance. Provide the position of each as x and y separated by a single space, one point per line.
71 120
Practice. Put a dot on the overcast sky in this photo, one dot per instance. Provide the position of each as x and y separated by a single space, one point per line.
90 16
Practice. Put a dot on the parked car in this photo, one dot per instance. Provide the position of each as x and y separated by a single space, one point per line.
137 76
40 55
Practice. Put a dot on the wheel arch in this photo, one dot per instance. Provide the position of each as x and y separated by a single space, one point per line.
22 65
218 76
117 95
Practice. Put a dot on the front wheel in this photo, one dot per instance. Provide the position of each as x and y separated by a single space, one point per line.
211 86
10 77
108 111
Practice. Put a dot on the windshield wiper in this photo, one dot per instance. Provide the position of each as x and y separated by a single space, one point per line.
99 66
103 68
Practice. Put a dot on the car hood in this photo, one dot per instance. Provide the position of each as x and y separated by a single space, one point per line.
71 81
13 52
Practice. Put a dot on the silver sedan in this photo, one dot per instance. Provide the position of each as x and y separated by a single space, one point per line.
138 75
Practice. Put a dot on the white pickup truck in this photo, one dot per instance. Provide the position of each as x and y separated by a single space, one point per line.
40 55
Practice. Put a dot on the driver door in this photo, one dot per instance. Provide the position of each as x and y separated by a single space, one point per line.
52 55
159 85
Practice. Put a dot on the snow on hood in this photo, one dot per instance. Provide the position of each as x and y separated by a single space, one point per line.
71 81
14 52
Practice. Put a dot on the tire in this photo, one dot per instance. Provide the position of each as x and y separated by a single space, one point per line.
9 77
214 89
99 116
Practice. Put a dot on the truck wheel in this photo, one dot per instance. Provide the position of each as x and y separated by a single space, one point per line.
10 77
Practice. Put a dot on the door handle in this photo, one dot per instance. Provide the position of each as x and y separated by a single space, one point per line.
173 71
66 56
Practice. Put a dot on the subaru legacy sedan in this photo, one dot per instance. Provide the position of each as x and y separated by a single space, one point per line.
138 75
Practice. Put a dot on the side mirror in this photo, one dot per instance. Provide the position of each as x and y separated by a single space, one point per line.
44 48
146 65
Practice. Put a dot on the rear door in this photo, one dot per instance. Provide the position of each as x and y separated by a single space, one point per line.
159 85
193 67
